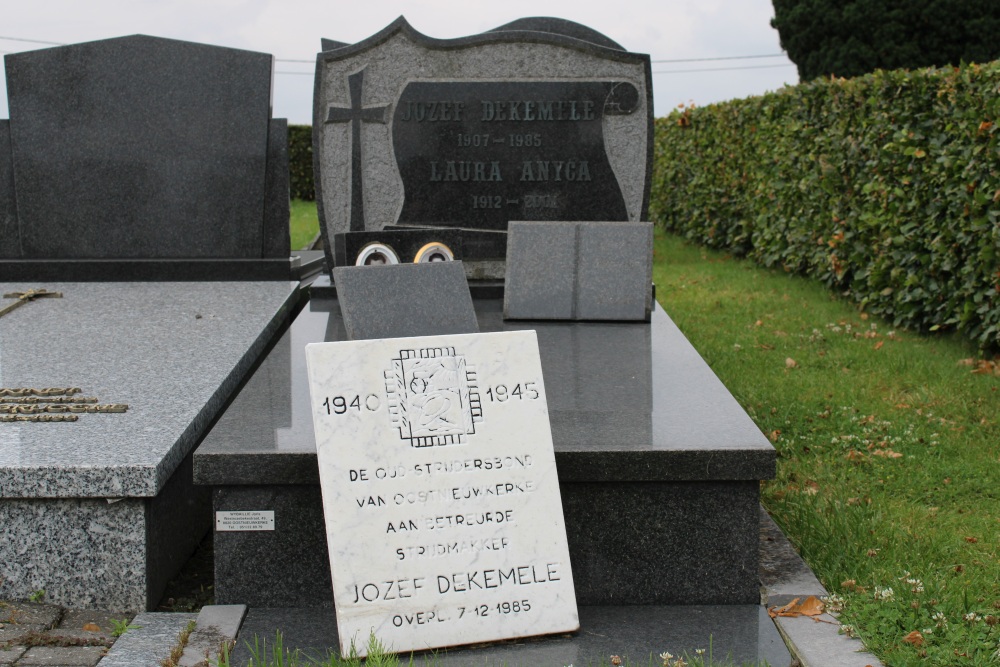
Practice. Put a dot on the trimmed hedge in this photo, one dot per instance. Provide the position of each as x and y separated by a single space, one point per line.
885 187
300 162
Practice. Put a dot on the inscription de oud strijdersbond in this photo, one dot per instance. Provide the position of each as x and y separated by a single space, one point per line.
453 503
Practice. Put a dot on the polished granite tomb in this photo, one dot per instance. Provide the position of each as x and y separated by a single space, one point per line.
100 511
659 468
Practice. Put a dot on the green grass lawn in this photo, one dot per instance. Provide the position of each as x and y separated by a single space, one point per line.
304 224
888 477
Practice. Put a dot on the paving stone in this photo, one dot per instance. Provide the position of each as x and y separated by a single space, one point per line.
10 654
150 642
30 614
817 643
216 624
55 656
76 619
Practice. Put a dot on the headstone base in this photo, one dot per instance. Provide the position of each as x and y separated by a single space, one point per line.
110 553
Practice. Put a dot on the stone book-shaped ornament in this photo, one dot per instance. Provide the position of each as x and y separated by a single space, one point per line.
579 271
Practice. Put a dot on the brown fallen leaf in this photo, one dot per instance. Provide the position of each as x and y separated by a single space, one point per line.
811 606
790 363
92 627
887 453
971 540
878 345
914 638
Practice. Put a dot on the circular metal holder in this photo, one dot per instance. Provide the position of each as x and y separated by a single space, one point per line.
434 251
375 254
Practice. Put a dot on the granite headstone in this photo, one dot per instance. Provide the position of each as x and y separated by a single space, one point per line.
8 222
442 504
579 271
513 124
405 300
142 148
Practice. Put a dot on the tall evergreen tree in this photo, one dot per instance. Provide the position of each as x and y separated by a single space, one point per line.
852 37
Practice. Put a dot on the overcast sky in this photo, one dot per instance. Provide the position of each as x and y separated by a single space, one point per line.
291 30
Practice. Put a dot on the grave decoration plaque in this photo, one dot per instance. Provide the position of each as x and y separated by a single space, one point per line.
513 124
443 513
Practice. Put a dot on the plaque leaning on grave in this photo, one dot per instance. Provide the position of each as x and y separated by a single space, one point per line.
443 513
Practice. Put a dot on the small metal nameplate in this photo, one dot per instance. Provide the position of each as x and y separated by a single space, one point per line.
250 520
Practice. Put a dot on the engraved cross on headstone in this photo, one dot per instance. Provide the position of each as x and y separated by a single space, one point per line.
355 114
25 297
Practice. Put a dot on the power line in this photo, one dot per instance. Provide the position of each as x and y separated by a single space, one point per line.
33 41
720 69
698 60
675 60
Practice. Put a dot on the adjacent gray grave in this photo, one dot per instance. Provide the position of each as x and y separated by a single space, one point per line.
579 271
141 148
515 124
127 165
405 300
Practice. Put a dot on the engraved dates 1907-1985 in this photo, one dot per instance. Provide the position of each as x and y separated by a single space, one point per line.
501 151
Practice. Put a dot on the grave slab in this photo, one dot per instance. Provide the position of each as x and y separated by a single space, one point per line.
579 271
404 300
742 634
632 407
413 438
100 511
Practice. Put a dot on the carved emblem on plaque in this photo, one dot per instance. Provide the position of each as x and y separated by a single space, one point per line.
433 397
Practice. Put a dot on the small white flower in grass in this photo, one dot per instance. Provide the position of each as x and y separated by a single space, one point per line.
737 347
834 602
665 657
847 630
927 631
699 651
884 594
972 617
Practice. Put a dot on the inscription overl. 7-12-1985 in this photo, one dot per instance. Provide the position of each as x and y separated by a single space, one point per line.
506 151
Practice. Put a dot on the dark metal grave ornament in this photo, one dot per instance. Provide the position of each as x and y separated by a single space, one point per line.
533 121
25 297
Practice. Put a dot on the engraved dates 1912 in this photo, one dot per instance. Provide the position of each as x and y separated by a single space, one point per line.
508 151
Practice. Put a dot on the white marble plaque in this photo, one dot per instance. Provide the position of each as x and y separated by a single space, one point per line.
442 506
